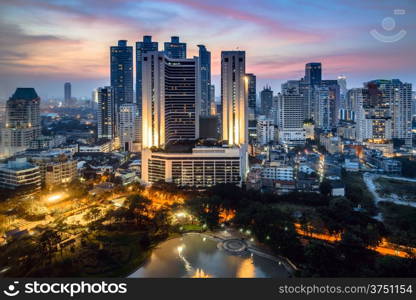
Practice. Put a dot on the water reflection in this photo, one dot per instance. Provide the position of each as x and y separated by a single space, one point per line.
197 256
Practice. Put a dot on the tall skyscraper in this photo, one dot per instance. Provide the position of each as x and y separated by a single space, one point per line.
291 115
323 112
313 73
266 101
175 49
145 46
213 104
22 121
334 100
252 96
121 61
234 85
342 82
106 113
67 94
170 106
205 79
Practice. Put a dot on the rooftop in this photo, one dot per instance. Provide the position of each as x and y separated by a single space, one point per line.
25 93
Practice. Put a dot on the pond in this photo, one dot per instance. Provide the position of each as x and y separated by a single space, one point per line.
199 256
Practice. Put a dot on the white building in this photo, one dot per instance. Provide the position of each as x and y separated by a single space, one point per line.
127 125
274 171
291 117
22 177
265 131
203 167
22 122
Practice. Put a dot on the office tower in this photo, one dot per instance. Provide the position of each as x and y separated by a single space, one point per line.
334 100
147 45
234 85
414 103
342 82
127 125
22 121
323 112
175 49
170 106
213 104
106 127
252 96
205 79
265 131
291 116
121 61
266 101
67 94
313 73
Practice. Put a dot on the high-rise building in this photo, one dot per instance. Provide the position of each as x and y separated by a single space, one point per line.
170 106
265 131
395 96
205 79
67 94
121 61
252 96
22 121
106 127
175 49
291 115
313 73
342 82
170 120
234 85
142 47
127 125
213 104
266 101
323 112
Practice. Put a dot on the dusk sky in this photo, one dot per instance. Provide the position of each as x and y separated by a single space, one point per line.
45 43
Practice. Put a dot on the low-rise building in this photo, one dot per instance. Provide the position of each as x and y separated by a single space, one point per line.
202 167
274 171
20 176
56 167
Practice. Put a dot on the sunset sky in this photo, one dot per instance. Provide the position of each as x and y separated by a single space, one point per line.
47 42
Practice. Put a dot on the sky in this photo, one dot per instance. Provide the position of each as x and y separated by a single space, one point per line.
45 43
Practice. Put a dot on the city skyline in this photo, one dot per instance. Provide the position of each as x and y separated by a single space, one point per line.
279 45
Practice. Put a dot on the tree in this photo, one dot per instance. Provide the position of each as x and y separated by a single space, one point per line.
48 241
139 206
325 188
